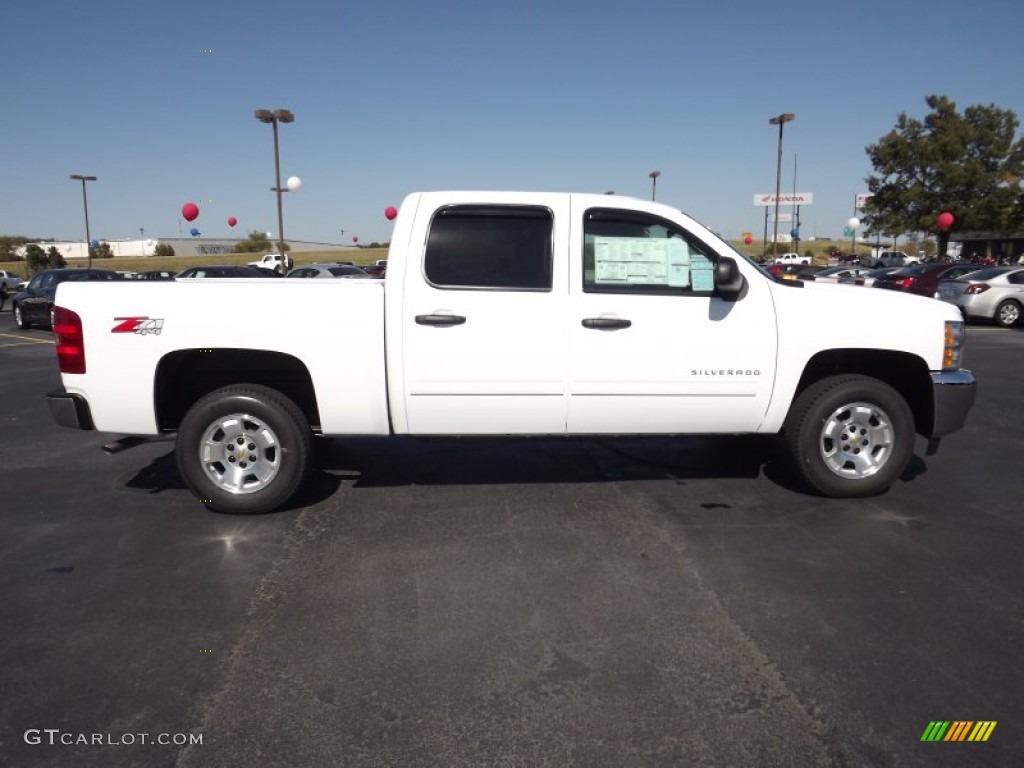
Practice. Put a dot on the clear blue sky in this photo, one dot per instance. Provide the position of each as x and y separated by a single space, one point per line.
393 97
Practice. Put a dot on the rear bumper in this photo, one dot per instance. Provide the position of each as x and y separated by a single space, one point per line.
69 410
953 394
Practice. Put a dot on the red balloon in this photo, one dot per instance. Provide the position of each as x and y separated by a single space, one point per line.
232 221
355 239
390 212
190 211
748 240
945 220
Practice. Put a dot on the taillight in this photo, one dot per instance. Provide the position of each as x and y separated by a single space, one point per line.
977 288
67 328
905 282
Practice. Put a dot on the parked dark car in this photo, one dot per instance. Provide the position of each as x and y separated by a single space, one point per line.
224 270
793 271
155 274
32 306
922 279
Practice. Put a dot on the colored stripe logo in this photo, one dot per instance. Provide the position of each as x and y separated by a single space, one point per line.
958 730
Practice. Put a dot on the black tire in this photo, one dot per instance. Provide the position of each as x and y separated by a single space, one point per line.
260 474
849 436
1008 313
19 318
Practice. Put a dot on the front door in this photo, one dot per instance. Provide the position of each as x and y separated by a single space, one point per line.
652 348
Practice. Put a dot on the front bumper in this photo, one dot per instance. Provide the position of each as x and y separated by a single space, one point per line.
69 410
953 394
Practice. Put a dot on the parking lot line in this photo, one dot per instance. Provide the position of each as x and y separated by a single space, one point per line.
22 340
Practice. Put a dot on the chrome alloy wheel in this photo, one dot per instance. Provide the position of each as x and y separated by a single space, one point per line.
1009 314
856 440
240 453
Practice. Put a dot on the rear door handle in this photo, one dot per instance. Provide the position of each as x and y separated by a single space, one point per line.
440 320
606 323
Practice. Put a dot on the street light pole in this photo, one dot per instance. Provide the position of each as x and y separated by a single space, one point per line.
779 120
654 182
85 205
274 117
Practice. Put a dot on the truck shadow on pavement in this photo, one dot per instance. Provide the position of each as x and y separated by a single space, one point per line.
486 461
161 475
403 461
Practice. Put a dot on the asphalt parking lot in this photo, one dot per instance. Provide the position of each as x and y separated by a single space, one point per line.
464 603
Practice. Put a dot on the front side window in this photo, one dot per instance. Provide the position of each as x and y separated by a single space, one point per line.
490 246
629 252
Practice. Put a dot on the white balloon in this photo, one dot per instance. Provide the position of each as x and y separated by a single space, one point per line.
294 183
853 223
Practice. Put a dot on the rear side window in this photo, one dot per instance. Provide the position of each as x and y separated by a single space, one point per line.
490 246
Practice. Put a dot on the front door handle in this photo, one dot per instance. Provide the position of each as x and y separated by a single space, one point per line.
606 323
440 320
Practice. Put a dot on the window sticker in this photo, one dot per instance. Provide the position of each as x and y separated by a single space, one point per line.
702 273
641 261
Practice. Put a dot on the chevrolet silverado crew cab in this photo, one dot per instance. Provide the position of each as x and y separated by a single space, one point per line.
507 313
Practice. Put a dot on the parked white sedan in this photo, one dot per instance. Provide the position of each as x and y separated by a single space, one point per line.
993 293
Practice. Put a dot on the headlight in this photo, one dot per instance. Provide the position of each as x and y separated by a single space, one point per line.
953 345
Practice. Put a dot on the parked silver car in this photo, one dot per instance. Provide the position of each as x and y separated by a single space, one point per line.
992 293
867 278
328 270
841 275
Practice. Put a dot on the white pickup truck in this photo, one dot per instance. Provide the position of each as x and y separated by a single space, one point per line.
507 313
274 262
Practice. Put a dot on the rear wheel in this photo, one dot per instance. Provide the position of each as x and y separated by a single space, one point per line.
1008 313
244 449
850 436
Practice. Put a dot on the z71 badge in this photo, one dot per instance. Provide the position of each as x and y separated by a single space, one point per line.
140 325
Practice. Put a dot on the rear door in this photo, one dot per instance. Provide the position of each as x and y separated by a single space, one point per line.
483 319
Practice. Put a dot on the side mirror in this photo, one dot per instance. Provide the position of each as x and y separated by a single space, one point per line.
729 281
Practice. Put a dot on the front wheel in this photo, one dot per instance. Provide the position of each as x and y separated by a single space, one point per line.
850 436
1008 313
19 318
244 449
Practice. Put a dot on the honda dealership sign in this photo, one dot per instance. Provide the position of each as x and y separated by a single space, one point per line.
797 198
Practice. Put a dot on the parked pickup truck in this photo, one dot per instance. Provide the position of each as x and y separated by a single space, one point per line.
514 314
274 262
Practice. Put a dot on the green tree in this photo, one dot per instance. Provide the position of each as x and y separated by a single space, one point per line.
101 251
54 259
163 249
9 245
969 164
257 242
35 258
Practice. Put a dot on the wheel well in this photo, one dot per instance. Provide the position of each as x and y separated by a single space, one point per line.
904 372
184 376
